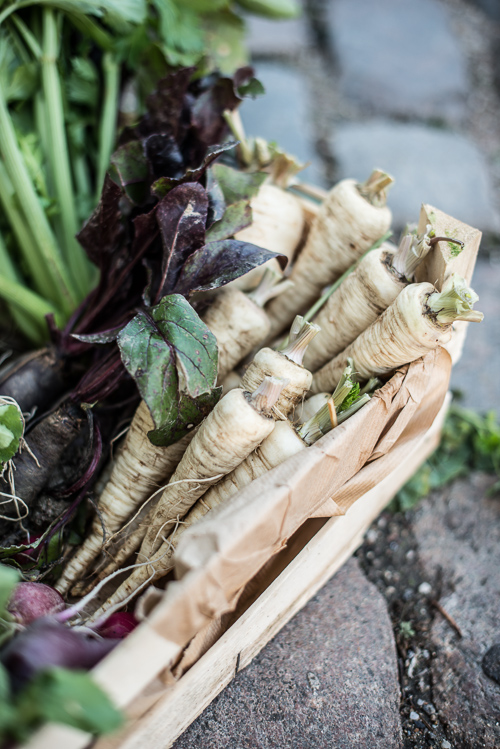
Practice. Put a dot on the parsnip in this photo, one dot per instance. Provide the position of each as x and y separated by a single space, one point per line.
236 426
283 442
277 225
238 423
419 320
350 220
288 364
363 296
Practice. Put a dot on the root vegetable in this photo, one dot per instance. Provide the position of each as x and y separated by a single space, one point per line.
418 321
363 296
277 225
286 363
350 220
236 426
30 601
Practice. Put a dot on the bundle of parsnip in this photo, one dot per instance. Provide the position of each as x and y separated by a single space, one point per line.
372 319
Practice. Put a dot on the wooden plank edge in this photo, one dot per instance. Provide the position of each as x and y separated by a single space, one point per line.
314 565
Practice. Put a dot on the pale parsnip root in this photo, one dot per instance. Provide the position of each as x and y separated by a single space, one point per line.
400 335
139 468
269 362
358 301
346 226
277 225
238 324
271 453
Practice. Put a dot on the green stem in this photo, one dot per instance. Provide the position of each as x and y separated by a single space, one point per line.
20 316
32 304
59 157
344 386
22 232
46 265
29 38
321 301
107 129
353 408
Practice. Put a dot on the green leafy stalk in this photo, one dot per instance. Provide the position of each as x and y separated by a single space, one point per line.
344 387
107 129
27 324
59 155
45 262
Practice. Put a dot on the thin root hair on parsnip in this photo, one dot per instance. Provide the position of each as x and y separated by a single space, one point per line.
418 321
225 438
351 218
237 424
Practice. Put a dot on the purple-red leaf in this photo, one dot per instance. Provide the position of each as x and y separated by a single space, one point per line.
163 185
103 233
181 216
218 263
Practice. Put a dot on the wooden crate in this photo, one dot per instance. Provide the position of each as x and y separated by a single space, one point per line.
137 674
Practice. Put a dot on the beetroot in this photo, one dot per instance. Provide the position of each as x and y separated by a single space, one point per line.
118 625
30 601
46 643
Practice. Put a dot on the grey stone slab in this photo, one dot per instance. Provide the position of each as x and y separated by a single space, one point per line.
476 374
269 37
328 679
429 165
458 532
399 57
283 115
490 7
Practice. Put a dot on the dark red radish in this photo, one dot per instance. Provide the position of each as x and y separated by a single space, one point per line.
30 601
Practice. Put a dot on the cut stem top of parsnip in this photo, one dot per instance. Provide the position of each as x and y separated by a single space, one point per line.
419 320
287 364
